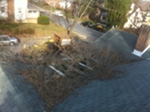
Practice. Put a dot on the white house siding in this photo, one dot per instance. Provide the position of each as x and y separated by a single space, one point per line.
20 9
147 17
32 13
3 9
135 19
63 4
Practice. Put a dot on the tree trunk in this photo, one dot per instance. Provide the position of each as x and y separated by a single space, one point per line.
70 29
10 10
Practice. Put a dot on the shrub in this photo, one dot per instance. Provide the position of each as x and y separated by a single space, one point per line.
18 31
44 20
8 25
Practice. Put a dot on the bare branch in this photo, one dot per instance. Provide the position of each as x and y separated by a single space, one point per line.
81 8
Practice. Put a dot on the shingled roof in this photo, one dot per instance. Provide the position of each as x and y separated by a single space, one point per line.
144 5
119 41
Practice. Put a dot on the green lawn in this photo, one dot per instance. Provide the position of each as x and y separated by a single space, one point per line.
29 29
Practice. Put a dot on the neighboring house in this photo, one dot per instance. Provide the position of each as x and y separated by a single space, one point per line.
63 4
53 3
60 3
103 17
100 14
3 9
18 10
139 17
138 14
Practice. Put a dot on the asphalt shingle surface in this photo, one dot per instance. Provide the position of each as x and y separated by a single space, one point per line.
16 94
146 54
119 41
130 93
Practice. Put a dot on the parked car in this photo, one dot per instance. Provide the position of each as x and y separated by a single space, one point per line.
86 24
99 27
7 40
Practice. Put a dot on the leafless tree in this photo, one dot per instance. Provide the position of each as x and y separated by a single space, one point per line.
79 9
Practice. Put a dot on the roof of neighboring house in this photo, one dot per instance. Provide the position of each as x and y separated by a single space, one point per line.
144 5
119 41
34 7
31 7
54 1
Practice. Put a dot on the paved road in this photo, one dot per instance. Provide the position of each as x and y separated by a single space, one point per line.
88 33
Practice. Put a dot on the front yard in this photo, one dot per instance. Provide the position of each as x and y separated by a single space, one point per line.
30 30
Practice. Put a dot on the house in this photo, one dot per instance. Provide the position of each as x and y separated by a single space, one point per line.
53 3
3 9
63 4
127 45
100 14
18 11
60 3
138 14
139 17
142 47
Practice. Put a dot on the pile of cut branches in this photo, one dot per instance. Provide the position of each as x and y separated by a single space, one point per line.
79 62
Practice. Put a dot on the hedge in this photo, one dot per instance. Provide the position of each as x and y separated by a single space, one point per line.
44 20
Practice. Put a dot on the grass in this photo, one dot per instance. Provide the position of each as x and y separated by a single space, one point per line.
38 30
9 26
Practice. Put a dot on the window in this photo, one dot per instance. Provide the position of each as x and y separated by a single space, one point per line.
1 39
29 11
34 11
2 9
19 10
5 38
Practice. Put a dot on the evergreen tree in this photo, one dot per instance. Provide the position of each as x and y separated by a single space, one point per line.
117 10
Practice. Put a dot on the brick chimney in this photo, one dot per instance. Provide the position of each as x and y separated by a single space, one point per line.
143 42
